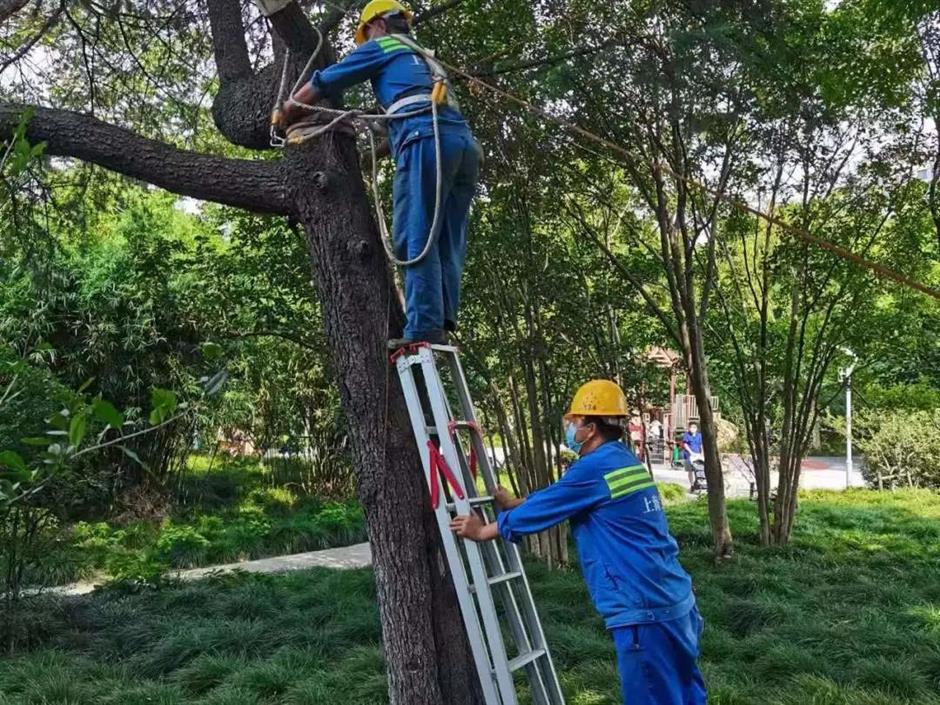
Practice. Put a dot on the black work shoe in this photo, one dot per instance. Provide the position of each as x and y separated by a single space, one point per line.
398 343
437 338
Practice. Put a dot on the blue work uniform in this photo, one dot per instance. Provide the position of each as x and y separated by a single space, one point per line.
396 71
630 564
691 442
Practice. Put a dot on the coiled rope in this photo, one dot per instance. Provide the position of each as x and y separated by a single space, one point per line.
362 121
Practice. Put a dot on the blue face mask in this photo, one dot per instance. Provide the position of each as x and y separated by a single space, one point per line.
570 431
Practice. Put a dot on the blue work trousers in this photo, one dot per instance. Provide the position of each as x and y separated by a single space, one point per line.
432 286
657 662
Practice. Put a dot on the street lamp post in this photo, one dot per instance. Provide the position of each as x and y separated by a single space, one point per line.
845 375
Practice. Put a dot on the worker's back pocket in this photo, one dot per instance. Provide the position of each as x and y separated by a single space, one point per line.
415 134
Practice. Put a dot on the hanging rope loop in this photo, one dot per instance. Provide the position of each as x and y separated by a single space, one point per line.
356 121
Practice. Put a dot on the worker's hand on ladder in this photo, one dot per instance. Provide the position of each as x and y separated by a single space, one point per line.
504 500
472 527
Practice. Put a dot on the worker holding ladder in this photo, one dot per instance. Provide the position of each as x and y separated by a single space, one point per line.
628 557
436 157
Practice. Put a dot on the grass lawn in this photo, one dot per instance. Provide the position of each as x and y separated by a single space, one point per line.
228 510
848 615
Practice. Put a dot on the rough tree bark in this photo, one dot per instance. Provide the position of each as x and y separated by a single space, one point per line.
320 186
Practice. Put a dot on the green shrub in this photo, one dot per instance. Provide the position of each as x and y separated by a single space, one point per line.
181 545
35 396
257 527
671 492
901 446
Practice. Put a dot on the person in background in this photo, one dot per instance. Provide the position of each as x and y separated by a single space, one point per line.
691 443
635 428
628 557
656 429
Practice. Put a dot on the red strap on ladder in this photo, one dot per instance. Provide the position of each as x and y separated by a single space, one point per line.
439 465
473 426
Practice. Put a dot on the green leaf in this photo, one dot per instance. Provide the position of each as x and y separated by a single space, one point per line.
35 441
211 351
86 384
214 385
12 459
60 420
106 413
77 429
164 404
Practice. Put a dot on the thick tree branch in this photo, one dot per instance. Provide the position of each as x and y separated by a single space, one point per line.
242 107
27 46
8 8
255 185
294 28
228 40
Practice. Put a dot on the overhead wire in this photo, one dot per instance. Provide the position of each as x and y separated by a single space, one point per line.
342 116
803 234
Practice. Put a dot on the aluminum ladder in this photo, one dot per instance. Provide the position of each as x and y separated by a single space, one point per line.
489 577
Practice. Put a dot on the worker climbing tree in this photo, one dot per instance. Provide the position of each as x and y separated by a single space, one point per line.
437 160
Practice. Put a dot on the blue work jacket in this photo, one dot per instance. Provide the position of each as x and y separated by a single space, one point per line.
628 558
396 71
691 442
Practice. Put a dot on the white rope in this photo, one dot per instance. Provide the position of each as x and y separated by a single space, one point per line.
303 131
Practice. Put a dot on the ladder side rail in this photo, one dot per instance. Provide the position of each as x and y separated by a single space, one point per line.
490 480
531 618
517 627
534 636
506 596
491 626
449 540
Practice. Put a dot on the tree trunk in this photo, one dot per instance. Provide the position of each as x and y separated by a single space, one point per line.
426 650
717 504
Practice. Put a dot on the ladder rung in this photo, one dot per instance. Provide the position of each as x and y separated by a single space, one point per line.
464 424
474 502
430 430
525 659
505 577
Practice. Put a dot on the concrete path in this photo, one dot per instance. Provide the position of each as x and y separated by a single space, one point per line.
345 557
818 473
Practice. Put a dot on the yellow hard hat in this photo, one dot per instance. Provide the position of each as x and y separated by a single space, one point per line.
599 397
377 8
